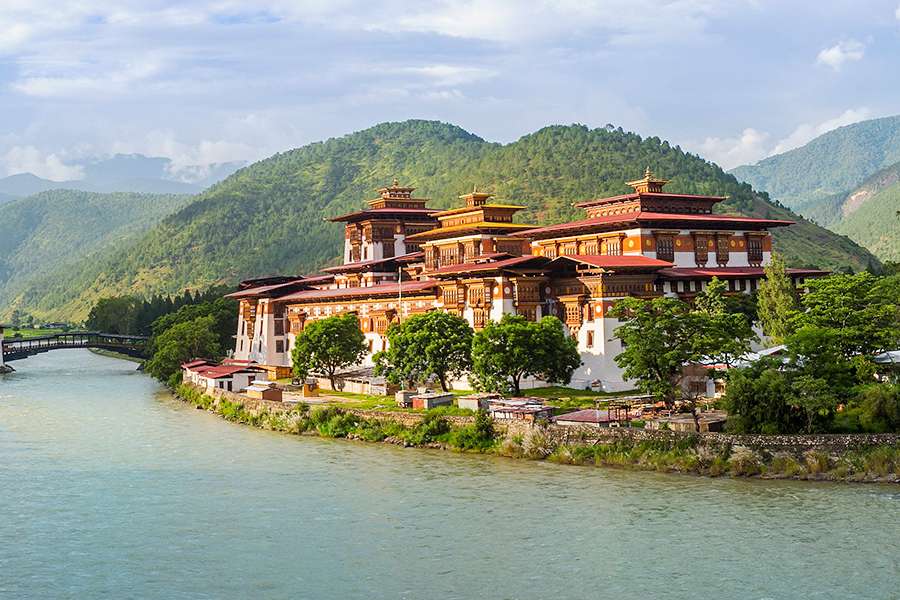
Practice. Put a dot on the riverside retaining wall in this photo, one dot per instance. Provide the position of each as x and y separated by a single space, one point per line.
572 435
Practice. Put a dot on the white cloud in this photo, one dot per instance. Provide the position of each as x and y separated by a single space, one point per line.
747 148
808 131
450 75
841 53
109 82
753 145
28 159
897 13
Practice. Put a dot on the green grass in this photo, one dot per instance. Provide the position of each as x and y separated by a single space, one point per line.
369 402
26 332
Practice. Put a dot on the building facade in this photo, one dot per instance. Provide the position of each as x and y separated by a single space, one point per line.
402 258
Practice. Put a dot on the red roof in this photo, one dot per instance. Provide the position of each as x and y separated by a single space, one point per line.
195 363
425 212
645 217
617 262
217 372
635 196
368 263
727 272
484 266
263 289
384 289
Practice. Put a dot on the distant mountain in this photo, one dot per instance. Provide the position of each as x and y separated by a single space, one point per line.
268 217
125 173
841 180
868 214
833 163
45 236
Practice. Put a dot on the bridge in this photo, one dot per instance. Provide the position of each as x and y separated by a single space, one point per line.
19 348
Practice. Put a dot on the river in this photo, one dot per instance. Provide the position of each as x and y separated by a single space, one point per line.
110 488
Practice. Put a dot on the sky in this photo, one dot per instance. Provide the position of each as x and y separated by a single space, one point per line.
211 81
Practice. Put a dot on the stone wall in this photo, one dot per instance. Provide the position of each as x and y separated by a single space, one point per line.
795 445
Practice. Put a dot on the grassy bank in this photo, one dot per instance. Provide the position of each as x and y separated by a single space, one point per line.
686 454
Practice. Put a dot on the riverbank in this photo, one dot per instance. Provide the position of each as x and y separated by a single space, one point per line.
840 458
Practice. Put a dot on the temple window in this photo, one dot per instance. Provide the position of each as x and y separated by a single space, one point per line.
590 339
722 251
590 247
754 250
665 248
701 251
478 318
279 346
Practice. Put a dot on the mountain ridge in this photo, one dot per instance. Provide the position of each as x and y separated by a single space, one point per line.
268 217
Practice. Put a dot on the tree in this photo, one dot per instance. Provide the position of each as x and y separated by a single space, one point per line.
858 308
506 351
659 338
328 345
757 400
181 343
776 301
117 314
726 334
436 344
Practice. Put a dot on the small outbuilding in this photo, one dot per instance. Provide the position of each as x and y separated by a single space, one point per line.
477 401
430 400
521 409
265 390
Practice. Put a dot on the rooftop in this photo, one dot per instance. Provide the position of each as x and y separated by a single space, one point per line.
385 289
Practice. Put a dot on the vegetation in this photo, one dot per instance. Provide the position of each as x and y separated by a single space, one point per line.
832 163
827 380
435 344
327 346
182 342
47 240
875 222
279 202
506 351
776 301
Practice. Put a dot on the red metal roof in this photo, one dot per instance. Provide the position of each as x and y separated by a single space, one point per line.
635 196
217 372
195 363
369 263
645 217
385 289
727 272
617 262
376 212
485 266
263 289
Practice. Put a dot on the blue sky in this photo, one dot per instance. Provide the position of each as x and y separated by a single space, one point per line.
219 80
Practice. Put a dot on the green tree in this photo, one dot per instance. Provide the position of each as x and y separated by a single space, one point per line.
181 343
436 344
659 338
859 308
329 345
117 314
757 400
777 301
506 351
726 335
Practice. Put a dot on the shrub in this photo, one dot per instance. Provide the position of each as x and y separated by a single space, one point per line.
744 464
429 429
338 426
880 407
786 465
816 462
478 436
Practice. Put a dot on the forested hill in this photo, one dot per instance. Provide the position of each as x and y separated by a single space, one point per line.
870 214
268 217
47 237
833 163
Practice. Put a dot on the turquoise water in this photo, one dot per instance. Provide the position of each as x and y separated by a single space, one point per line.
109 488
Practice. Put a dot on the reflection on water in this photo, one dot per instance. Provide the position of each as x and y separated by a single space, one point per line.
110 488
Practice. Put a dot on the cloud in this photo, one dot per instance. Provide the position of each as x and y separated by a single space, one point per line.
805 132
753 145
841 53
450 75
897 13
747 148
111 81
28 159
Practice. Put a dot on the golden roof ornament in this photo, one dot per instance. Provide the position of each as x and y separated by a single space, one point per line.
649 184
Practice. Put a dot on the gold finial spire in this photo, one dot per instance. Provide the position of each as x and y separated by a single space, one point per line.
649 184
